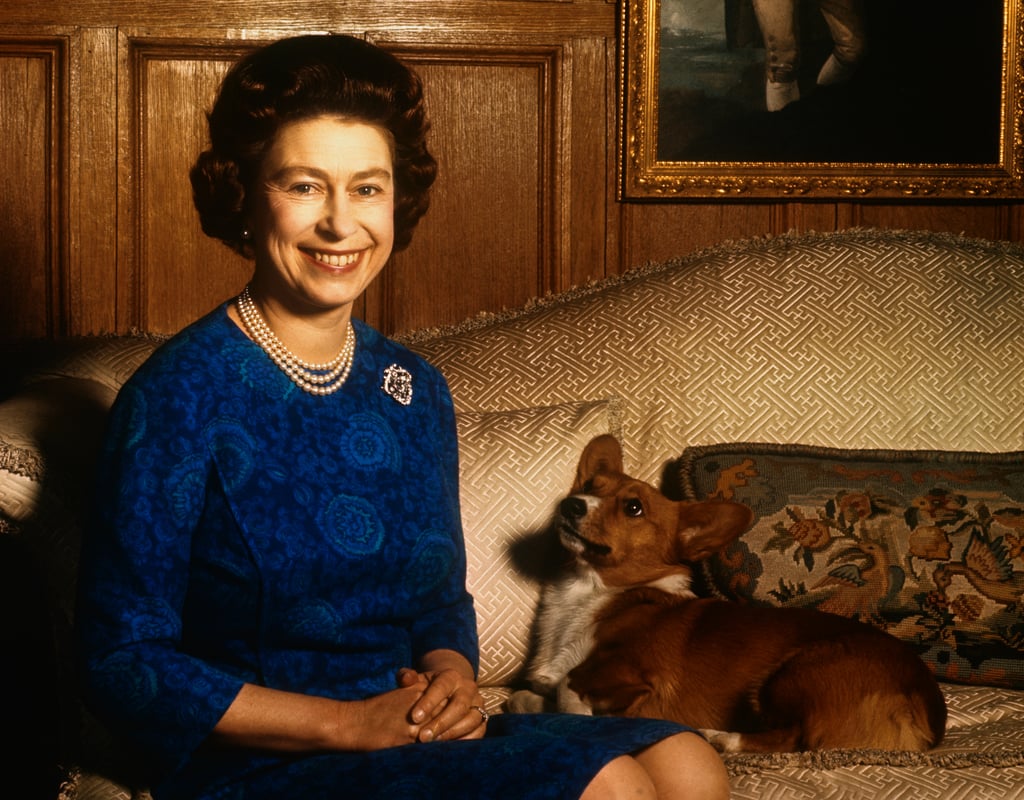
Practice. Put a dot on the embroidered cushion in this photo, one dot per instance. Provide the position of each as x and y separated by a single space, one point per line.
926 545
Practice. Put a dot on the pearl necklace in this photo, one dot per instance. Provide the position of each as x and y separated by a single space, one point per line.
318 379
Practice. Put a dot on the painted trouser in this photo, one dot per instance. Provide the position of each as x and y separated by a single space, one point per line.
779 25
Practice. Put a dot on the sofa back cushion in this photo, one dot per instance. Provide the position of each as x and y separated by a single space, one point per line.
864 338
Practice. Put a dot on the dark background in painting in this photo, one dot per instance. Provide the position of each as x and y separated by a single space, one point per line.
928 91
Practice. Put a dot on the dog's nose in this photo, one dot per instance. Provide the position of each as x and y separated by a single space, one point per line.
573 508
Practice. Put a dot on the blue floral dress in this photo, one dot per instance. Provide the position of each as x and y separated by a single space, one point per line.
246 531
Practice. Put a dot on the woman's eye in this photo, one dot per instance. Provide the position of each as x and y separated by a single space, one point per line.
303 188
368 191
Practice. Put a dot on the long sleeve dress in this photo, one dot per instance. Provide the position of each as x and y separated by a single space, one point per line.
246 531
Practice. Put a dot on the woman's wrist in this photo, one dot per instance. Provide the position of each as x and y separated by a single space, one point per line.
440 660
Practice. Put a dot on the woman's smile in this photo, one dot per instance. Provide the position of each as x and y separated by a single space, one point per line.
334 260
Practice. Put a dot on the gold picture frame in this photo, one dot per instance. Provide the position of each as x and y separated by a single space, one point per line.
911 124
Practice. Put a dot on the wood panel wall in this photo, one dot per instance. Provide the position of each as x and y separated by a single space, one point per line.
101 116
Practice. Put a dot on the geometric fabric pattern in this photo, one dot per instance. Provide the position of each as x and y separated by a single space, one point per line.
861 339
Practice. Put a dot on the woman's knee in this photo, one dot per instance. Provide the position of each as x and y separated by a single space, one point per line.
619 779
681 767
685 766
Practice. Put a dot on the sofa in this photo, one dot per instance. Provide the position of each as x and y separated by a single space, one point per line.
862 391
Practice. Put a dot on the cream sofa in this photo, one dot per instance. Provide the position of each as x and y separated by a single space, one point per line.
882 342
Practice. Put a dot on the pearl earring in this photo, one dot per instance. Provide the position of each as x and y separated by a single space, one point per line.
246 234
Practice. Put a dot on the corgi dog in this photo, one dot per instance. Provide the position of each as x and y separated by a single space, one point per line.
622 633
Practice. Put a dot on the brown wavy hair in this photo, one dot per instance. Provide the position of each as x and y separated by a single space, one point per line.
303 77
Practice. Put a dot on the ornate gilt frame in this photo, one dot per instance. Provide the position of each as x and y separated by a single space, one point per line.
642 176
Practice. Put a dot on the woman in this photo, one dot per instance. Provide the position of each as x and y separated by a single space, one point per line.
272 600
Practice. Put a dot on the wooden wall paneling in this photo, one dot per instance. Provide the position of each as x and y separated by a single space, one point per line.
802 217
590 136
426 19
92 183
491 237
983 219
615 218
990 220
33 224
656 231
97 219
170 273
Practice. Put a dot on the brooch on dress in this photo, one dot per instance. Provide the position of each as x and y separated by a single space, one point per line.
398 384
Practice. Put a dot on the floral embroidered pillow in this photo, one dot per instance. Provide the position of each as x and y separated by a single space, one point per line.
926 545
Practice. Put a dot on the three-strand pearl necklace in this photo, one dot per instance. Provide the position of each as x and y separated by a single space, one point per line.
318 379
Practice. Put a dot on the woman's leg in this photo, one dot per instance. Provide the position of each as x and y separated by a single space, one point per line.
621 778
682 767
685 766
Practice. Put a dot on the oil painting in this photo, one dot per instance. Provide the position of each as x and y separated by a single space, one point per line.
820 98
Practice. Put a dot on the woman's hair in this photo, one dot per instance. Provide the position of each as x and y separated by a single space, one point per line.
298 78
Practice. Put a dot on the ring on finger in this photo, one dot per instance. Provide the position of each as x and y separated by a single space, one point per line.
483 713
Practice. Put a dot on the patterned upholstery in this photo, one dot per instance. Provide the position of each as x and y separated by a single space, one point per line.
860 339
49 432
923 545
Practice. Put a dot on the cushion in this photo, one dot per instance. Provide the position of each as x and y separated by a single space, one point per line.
927 545
109 360
864 338
515 466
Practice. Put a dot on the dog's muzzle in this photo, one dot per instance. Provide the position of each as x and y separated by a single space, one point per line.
573 510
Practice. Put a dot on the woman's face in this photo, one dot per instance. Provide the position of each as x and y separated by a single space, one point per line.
322 213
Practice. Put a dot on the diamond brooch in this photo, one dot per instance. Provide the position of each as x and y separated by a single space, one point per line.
398 384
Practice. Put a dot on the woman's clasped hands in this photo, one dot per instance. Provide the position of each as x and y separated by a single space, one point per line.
449 705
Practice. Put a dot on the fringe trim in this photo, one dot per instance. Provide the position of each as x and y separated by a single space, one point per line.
745 763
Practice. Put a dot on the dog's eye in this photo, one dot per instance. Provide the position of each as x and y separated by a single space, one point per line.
633 507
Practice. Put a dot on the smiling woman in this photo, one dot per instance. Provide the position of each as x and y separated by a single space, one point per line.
291 477
321 222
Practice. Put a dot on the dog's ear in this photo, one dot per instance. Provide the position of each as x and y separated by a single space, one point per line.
706 527
602 454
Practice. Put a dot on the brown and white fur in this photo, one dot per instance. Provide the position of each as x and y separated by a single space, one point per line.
622 633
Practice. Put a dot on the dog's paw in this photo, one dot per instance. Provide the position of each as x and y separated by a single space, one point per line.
723 741
525 702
